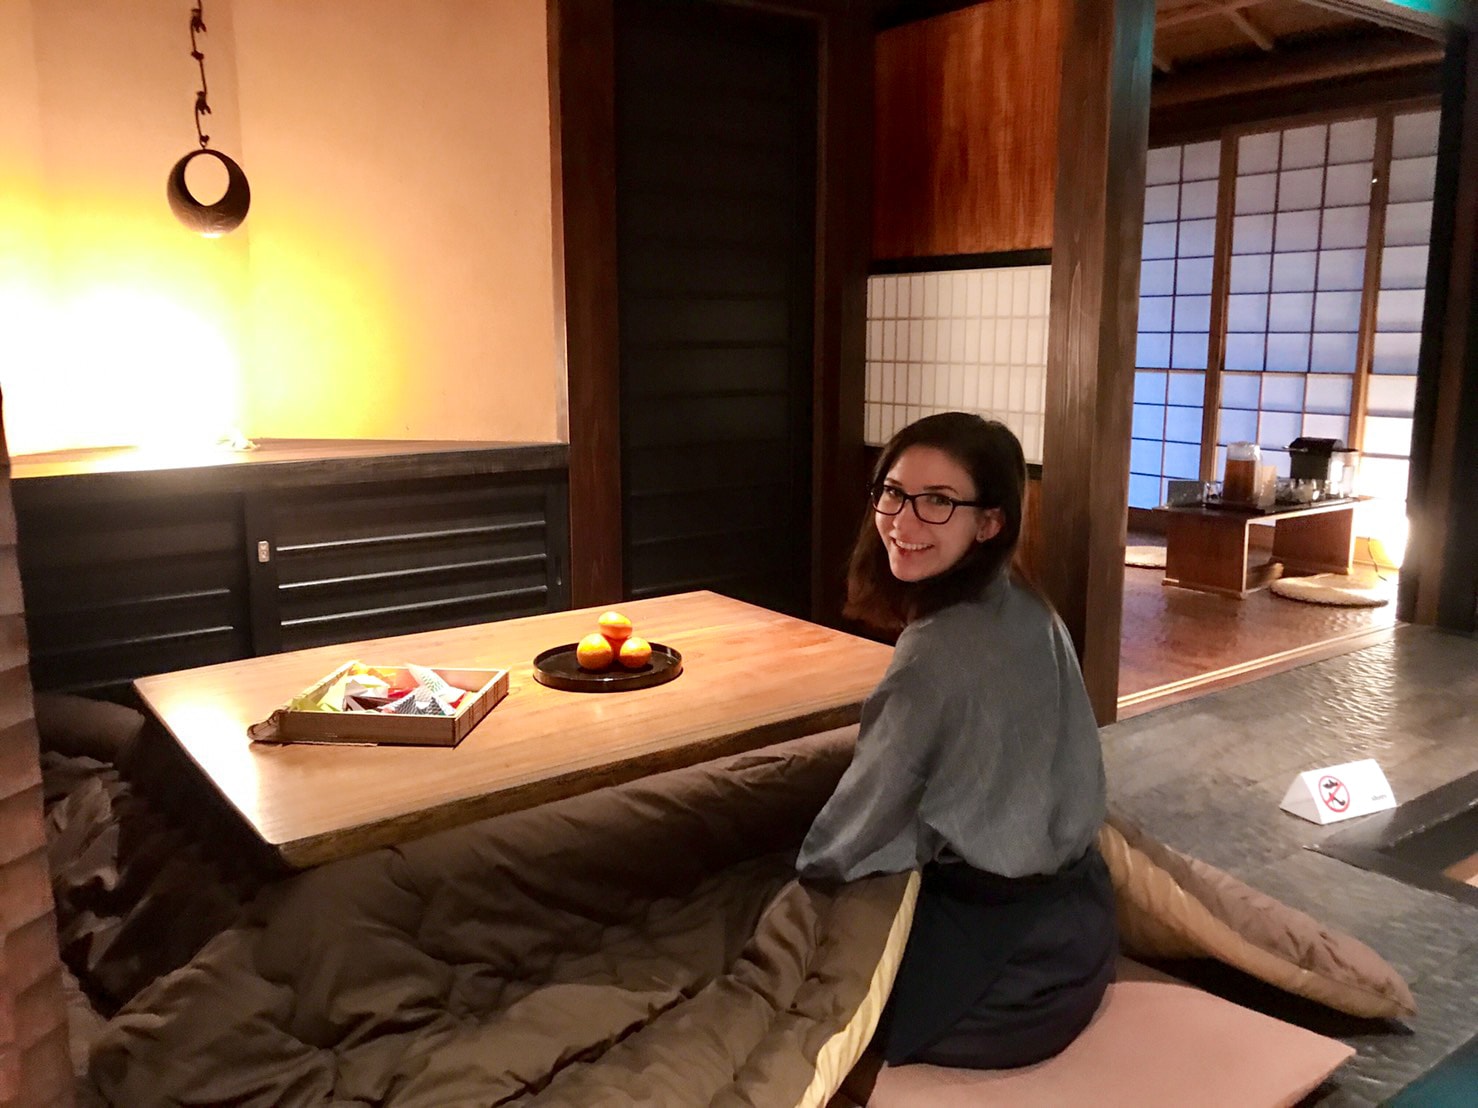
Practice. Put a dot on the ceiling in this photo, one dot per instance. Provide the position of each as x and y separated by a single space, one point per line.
1212 50
1193 32
1207 50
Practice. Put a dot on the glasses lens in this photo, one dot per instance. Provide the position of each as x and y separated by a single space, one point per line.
886 500
933 508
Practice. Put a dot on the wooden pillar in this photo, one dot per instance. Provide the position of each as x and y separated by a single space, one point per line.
1103 129
35 1067
843 254
1439 580
582 85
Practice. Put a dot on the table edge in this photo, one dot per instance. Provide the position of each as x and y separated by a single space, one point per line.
333 846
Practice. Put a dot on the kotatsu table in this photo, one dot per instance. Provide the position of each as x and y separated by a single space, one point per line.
1207 548
750 677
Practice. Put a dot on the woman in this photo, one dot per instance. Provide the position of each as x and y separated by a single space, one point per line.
978 762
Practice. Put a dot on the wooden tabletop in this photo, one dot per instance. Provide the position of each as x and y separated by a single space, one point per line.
750 677
1252 513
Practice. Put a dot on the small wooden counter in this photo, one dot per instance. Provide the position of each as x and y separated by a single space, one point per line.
1206 548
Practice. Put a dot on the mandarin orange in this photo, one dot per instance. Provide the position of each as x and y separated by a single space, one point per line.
594 652
616 627
635 652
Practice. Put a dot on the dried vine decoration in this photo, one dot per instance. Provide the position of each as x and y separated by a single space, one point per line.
226 214
202 102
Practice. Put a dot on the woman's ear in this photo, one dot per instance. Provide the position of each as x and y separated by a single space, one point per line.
991 522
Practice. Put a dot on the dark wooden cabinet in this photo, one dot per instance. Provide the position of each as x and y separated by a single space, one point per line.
130 570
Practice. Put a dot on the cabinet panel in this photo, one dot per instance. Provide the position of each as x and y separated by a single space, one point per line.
374 559
130 570
120 588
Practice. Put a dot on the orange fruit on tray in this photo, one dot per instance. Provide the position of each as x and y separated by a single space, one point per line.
635 652
594 652
615 626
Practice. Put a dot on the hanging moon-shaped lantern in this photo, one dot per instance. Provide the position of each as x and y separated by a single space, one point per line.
215 219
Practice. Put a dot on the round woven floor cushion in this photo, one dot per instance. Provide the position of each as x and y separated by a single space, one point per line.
1145 557
1335 589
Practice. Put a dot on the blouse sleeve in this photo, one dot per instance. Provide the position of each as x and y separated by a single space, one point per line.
870 824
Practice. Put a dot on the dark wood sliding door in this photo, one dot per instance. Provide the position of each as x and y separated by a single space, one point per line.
715 210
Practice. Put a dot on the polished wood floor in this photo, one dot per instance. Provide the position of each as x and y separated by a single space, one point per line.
1465 871
1176 643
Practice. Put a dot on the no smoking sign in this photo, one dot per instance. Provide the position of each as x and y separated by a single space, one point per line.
1339 792
1333 793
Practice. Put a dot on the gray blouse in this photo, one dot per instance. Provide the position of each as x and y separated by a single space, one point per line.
979 744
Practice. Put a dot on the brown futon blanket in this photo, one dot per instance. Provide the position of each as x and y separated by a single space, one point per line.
644 944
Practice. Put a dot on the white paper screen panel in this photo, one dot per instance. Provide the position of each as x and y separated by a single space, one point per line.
1297 270
972 340
1399 307
1180 205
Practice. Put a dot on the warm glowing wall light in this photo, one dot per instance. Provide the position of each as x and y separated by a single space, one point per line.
145 368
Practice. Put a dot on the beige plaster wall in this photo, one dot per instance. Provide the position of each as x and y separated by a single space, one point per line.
394 278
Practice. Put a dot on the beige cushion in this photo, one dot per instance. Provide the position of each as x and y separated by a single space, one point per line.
1146 557
1155 1043
80 727
1171 906
1335 589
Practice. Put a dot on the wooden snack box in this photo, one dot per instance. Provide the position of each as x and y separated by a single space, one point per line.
485 687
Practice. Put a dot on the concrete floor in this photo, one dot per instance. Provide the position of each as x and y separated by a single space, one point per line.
1206 777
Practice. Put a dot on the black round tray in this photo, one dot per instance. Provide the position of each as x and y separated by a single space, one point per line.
557 668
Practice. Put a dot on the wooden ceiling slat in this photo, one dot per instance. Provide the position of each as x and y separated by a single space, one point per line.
1249 28
1375 53
1200 9
1430 18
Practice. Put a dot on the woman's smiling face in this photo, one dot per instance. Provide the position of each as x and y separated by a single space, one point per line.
919 550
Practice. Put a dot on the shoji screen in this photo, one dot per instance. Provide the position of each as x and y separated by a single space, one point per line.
963 340
1391 390
1174 318
1297 273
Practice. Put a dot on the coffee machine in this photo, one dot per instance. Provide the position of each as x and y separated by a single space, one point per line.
1321 469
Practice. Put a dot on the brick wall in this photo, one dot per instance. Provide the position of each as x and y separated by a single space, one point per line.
35 1069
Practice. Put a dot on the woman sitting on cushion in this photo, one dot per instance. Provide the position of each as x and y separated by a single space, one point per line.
978 762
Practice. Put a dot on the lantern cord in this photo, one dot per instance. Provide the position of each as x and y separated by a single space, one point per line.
202 105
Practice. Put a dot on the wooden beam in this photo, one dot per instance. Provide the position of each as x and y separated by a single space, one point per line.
1250 29
1221 279
1097 228
1375 239
583 122
844 166
1439 580
1204 9
1433 18
1327 61
1412 89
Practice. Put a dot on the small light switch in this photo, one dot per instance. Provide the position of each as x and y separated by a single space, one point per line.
264 551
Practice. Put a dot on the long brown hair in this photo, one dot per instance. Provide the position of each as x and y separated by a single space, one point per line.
991 455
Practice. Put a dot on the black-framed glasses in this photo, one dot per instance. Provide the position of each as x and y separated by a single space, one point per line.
929 507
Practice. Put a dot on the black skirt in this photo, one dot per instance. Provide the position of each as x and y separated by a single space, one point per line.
1001 972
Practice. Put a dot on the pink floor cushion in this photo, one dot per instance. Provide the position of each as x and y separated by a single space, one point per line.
1155 1043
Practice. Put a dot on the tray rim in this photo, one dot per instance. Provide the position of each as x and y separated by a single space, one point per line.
380 729
607 682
